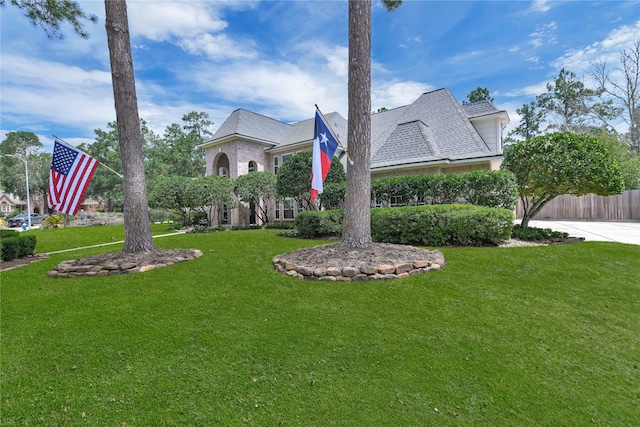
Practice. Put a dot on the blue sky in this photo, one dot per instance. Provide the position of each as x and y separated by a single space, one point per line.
280 58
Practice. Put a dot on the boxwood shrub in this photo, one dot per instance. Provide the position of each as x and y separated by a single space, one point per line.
17 247
429 225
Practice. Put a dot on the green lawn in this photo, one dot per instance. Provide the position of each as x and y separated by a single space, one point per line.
500 336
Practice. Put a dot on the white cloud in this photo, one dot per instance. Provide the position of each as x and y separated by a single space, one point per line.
159 21
540 6
544 34
196 27
280 89
531 90
397 93
54 92
580 60
218 47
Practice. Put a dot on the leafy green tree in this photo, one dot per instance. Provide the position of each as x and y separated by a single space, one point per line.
198 123
624 155
49 15
532 117
176 194
622 85
105 184
21 144
570 106
294 178
257 189
25 145
561 163
478 94
217 195
178 151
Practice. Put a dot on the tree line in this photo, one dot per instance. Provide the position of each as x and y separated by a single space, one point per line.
174 153
571 105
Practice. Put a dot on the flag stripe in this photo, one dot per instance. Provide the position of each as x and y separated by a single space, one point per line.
66 191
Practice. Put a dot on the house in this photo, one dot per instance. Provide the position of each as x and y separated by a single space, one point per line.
434 134
10 202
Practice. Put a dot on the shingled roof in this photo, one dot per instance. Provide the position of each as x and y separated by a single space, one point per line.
247 124
479 108
434 127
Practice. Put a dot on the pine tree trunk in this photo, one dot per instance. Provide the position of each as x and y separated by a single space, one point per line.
356 231
137 230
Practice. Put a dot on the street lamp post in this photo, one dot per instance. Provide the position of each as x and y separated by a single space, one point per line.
26 171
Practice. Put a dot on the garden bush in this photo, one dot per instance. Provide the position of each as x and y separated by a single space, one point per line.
53 221
497 189
463 225
535 234
311 224
17 247
441 225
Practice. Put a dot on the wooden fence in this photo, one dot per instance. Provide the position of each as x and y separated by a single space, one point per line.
622 207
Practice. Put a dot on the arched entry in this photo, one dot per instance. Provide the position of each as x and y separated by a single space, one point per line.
221 166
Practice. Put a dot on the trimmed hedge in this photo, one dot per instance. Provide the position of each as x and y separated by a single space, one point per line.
17 247
5 234
497 189
441 225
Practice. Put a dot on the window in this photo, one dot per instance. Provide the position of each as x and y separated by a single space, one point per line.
277 209
288 208
6 208
252 166
397 201
286 157
223 172
275 164
225 214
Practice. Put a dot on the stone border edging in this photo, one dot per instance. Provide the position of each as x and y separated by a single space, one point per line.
359 274
67 270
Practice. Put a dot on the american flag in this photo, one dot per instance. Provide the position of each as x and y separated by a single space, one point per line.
71 172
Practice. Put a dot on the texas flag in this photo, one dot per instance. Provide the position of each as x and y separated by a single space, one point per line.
325 144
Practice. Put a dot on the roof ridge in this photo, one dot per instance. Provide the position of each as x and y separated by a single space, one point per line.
466 120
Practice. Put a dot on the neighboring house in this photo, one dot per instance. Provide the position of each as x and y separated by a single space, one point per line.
90 205
434 134
10 202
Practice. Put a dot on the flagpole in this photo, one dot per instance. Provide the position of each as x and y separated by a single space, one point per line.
65 142
334 134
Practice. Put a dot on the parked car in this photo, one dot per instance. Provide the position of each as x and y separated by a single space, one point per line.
18 220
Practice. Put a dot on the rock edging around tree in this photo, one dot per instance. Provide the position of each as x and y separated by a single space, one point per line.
321 269
95 266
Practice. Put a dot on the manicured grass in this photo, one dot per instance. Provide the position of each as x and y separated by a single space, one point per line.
55 239
500 336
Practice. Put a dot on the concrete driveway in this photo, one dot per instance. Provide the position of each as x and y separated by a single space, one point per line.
620 232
